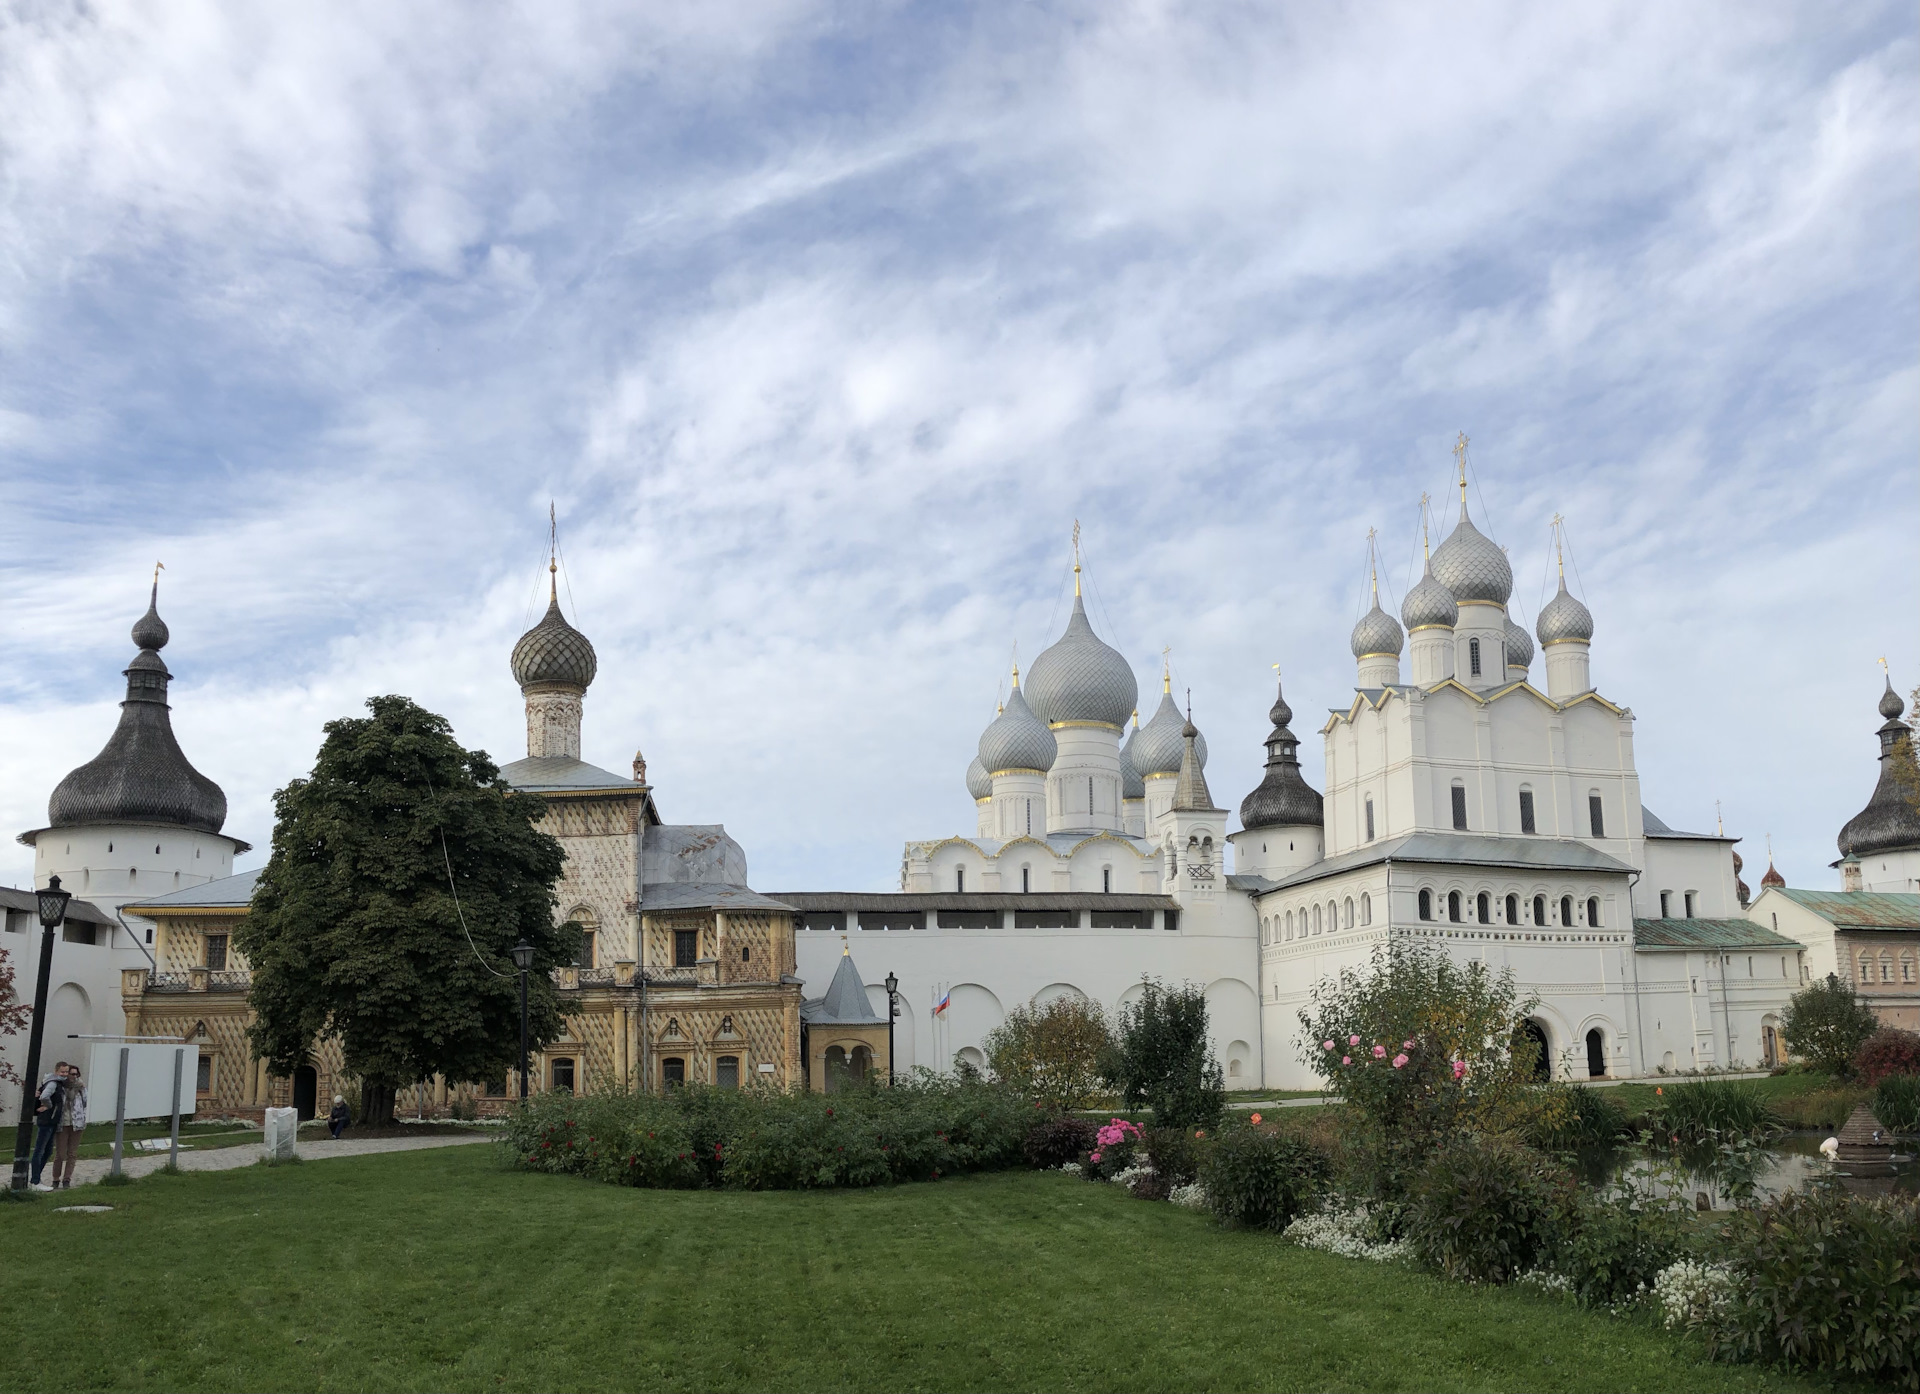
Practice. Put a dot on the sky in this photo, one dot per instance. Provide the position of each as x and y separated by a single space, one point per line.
820 326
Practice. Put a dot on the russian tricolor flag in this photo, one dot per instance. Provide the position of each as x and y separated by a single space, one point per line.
941 1006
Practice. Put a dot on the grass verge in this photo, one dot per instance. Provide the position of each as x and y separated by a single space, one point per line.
441 1270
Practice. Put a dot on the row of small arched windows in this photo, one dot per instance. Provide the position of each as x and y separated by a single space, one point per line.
1308 920
1482 908
1886 961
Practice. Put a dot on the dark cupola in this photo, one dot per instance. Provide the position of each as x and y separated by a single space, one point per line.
1891 820
1283 798
141 776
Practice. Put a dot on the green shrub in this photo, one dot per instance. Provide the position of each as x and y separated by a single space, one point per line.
1611 1246
1711 1108
1896 1103
760 1140
1888 1051
1573 1116
1825 1281
1486 1210
1052 1053
1058 1139
1257 1178
1161 1057
1423 1046
1174 1154
1826 1024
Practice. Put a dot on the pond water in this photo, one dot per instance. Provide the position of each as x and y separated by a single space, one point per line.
1780 1165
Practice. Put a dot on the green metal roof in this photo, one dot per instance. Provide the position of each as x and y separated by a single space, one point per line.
1861 909
1707 934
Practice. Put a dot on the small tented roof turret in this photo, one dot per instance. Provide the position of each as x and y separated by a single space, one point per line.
1190 792
845 1002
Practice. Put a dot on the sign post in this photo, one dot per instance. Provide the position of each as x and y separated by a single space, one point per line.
120 1111
173 1132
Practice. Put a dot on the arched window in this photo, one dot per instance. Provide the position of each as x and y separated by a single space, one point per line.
1593 910
1366 908
1333 917
1527 823
1866 968
1513 909
1886 965
1473 657
1426 904
1596 1054
1348 921
1459 806
1595 815
1566 909
960 878
1483 908
1289 924
1106 880
1906 967
1539 909
1316 919
1453 906
1026 880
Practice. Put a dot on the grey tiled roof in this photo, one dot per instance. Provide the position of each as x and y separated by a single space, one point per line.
972 900
845 1002
704 895
1655 827
1079 678
560 773
1471 564
1468 850
83 910
233 891
1860 909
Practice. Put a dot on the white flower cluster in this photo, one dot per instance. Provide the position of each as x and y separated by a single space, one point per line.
1131 1174
1070 1168
1545 1280
1343 1232
1192 1196
1690 1292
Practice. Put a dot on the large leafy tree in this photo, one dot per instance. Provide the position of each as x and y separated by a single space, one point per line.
403 872
1161 1056
1825 1023
1052 1053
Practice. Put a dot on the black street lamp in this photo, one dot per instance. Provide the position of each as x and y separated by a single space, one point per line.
53 909
893 1010
523 960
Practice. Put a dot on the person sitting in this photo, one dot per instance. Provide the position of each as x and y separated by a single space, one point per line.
341 1116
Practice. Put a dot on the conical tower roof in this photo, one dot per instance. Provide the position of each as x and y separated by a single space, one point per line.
1283 798
1891 819
845 1002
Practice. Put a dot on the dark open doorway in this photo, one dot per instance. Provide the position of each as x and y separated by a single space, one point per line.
306 1091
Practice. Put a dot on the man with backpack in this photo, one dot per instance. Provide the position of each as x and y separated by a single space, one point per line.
46 1119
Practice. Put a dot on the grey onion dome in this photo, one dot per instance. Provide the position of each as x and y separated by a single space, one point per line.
553 651
1283 798
1017 739
1471 564
1564 618
1519 646
1377 632
141 775
1158 747
1890 821
979 782
1430 603
1080 678
1132 786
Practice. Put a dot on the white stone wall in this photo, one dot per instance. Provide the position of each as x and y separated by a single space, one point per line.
1087 766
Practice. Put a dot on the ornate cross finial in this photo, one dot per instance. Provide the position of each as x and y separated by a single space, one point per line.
845 952
1460 455
1076 556
1719 822
1559 546
553 555
1373 568
160 566
1189 706
1883 662
1425 550
1166 669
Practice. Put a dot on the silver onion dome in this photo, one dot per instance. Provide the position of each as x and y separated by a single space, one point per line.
554 652
979 782
1377 633
1016 739
1429 603
1080 678
1159 746
1519 646
1472 566
1132 786
1564 618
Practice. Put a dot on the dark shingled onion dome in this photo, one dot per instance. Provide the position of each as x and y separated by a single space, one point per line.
1889 822
1284 798
141 776
553 653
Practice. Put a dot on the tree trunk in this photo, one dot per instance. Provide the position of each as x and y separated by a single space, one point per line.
376 1103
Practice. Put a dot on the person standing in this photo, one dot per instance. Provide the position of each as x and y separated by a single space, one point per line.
341 1116
73 1122
46 1118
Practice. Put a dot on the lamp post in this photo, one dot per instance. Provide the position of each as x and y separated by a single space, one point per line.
523 960
893 1010
53 909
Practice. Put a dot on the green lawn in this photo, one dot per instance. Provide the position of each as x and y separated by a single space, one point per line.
1789 1093
441 1270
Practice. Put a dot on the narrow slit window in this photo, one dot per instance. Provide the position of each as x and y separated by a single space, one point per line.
1526 811
1460 808
1369 820
1453 906
1473 657
1596 816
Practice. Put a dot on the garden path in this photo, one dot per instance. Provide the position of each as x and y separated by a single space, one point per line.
228 1158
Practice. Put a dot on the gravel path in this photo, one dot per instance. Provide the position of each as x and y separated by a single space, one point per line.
228 1158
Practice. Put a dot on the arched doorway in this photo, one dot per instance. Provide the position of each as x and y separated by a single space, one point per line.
306 1092
1533 1031
1596 1054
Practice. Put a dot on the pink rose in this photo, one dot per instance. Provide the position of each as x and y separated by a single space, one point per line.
1379 1052
1353 1040
1346 1060
1093 1156
1326 1045
1398 1061
1406 1045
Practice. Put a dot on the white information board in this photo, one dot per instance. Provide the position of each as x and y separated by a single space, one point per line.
149 1078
